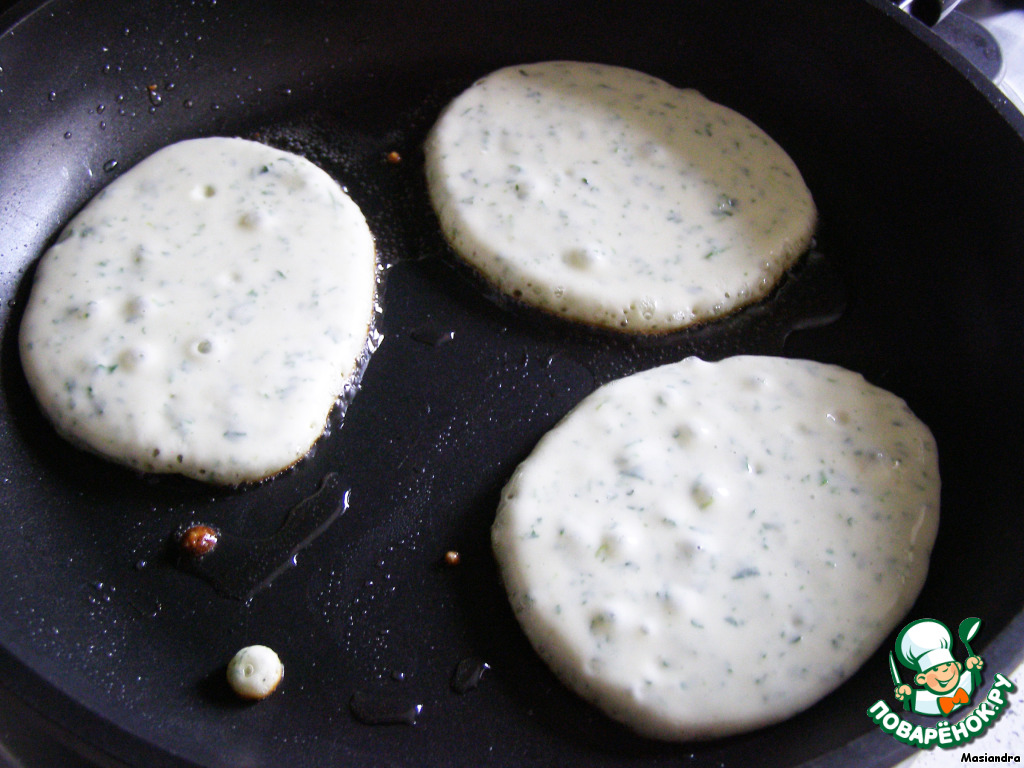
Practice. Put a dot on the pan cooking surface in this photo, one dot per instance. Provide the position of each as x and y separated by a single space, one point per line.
912 282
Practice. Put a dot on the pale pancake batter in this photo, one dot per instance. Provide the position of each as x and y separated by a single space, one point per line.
203 312
614 199
707 548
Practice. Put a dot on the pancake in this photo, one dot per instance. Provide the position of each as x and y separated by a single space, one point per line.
203 312
613 199
703 549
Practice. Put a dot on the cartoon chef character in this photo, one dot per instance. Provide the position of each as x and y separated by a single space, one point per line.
924 645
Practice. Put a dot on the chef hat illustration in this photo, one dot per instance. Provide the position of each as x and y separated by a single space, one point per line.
924 644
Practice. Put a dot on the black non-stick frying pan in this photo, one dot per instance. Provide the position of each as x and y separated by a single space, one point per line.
917 166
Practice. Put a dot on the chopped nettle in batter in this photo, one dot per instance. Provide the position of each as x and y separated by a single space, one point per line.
614 199
706 548
203 312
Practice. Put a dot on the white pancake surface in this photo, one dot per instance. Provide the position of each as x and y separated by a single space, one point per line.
707 548
202 314
614 199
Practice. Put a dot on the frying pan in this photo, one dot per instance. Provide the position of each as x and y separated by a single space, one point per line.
917 166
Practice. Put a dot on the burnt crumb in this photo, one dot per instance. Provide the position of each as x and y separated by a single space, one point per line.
198 540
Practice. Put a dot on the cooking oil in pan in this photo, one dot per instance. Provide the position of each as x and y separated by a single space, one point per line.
239 568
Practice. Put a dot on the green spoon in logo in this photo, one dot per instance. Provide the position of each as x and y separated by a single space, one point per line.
968 629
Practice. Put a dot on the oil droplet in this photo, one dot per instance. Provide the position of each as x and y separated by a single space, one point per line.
239 568
110 165
67 134
433 337
384 710
52 96
187 104
468 673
